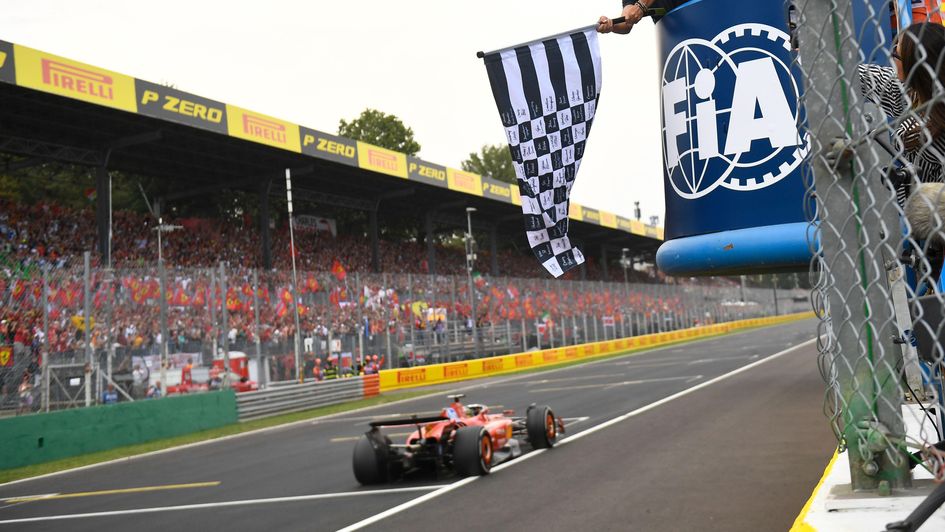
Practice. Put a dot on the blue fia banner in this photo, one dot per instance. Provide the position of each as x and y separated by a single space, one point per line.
733 147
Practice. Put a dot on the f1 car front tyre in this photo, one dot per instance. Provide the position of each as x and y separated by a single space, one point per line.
370 460
542 427
472 451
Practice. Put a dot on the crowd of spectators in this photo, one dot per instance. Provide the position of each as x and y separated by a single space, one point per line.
50 233
337 294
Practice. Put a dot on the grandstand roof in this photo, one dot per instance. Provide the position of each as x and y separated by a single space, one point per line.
53 108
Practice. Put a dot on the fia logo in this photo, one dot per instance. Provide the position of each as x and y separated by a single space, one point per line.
730 112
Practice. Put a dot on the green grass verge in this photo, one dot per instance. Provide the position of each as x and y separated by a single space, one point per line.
236 428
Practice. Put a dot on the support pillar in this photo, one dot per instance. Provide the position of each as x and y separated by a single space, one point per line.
431 248
375 247
102 211
603 262
493 250
265 239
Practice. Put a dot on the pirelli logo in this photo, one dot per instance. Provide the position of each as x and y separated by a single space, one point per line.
263 129
411 376
550 355
74 79
382 160
492 364
523 361
571 353
456 371
464 182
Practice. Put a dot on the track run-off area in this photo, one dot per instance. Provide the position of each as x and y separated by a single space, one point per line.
725 433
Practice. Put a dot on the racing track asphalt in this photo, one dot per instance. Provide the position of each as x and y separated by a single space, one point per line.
743 453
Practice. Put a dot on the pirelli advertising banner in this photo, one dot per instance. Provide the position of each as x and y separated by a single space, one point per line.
166 103
7 64
325 146
58 75
396 379
34 69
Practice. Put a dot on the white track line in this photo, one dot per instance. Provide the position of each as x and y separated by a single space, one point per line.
202 506
450 487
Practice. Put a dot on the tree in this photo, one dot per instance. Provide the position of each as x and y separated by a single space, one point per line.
493 161
380 129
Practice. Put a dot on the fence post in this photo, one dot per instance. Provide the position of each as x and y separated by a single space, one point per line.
853 305
44 354
262 363
387 305
226 327
87 326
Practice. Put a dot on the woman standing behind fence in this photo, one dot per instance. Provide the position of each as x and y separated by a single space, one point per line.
919 78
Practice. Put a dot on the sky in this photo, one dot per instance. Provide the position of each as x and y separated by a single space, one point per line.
313 63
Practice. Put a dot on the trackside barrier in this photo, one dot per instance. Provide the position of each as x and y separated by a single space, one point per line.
37 438
297 397
397 379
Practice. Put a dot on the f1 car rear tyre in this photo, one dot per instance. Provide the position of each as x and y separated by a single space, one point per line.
472 451
370 460
542 427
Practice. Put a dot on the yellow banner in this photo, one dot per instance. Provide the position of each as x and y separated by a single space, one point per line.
382 160
575 212
256 127
516 195
57 75
464 182
608 219
394 379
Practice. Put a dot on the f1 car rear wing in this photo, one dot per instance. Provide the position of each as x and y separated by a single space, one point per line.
414 420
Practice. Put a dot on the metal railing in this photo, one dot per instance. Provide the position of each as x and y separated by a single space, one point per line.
382 320
289 398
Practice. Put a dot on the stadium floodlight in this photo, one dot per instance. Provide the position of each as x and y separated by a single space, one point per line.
470 263
625 262
161 229
295 278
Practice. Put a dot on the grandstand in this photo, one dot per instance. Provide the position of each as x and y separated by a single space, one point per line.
403 297
55 109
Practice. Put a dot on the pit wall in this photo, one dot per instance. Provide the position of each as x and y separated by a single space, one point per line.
37 438
399 379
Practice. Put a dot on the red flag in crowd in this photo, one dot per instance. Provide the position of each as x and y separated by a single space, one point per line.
200 298
311 283
285 296
233 302
247 290
338 270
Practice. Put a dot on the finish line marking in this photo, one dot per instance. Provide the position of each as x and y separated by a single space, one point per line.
52 496
223 504
458 484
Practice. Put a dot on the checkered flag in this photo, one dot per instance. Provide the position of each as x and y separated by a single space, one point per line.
547 92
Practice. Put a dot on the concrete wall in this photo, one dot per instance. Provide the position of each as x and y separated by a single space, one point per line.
36 438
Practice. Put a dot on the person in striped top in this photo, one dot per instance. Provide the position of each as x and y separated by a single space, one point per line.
913 95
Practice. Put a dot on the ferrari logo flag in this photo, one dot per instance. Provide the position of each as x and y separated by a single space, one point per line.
547 92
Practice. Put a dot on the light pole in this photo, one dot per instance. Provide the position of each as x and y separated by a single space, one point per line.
161 229
626 263
470 261
295 282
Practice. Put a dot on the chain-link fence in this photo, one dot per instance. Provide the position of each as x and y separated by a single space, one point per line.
191 318
875 113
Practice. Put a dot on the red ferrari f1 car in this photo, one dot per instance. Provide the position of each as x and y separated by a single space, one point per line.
466 439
